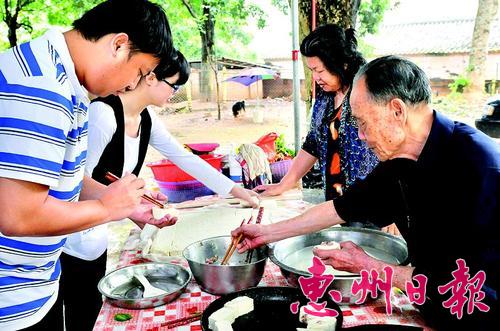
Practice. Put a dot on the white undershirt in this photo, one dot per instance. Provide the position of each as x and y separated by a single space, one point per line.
131 153
91 243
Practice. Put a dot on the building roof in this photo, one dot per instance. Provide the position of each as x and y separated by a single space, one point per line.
432 37
234 64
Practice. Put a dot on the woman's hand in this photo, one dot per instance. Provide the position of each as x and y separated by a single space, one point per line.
246 195
270 189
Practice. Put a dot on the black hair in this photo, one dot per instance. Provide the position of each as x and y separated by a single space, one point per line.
169 67
144 22
337 49
392 76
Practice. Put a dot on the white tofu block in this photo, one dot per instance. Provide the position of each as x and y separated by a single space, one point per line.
160 212
241 305
316 322
245 204
321 323
224 314
222 326
303 315
328 245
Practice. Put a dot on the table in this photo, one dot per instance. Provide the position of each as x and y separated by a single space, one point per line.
150 319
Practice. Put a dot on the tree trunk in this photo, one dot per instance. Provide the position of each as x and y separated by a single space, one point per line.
13 26
486 12
207 53
340 12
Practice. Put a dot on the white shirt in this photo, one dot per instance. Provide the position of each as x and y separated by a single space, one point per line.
90 244
43 139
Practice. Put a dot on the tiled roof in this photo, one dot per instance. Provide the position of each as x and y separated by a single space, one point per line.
444 36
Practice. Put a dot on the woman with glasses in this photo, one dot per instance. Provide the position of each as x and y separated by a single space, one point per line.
120 130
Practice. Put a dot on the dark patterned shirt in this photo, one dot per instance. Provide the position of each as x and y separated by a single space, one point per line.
333 139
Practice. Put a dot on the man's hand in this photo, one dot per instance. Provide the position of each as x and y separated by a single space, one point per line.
254 235
350 257
270 190
122 197
143 213
246 195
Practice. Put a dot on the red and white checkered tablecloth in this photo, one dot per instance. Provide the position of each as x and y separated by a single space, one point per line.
373 312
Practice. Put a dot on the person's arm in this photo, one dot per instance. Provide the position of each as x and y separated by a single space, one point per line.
352 258
163 141
301 164
28 210
102 127
314 219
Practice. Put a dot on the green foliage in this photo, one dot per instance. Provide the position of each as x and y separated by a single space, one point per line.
122 317
282 5
370 14
459 84
35 16
230 16
366 49
64 12
282 151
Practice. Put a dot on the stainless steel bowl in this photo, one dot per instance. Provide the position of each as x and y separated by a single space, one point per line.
123 290
223 279
376 243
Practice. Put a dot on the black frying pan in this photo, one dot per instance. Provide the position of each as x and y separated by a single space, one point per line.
271 309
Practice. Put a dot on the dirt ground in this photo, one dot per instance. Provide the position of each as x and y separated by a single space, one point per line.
201 125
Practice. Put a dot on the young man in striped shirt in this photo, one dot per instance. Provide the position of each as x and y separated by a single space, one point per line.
44 194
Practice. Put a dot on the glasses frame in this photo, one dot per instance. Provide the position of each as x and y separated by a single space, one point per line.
174 87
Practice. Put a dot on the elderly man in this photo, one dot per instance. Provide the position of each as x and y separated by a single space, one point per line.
438 180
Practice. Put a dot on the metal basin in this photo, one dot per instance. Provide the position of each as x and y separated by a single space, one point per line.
123 290
378 244
223 279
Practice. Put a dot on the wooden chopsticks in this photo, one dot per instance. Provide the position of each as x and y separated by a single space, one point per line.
234 243
259 219
113 178
179 321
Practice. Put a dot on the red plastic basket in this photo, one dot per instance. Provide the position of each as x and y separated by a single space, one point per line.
166 171
202 148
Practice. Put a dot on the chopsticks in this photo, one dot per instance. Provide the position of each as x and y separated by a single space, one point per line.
259 219
180 321
234 243
113 178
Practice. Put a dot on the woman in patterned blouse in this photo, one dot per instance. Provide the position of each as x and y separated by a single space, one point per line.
331 54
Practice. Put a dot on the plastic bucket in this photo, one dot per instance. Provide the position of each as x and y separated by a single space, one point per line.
182 191
279 169
166 171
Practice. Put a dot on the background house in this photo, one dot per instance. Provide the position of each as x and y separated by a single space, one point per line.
437 36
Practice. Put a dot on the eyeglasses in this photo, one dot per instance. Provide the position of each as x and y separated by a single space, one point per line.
174 87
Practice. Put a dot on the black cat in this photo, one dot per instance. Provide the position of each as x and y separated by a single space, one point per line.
238 107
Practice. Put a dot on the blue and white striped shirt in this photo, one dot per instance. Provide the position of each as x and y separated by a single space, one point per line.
43 139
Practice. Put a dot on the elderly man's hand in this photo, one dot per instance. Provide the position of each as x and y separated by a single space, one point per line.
254 235
391 229
350 257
